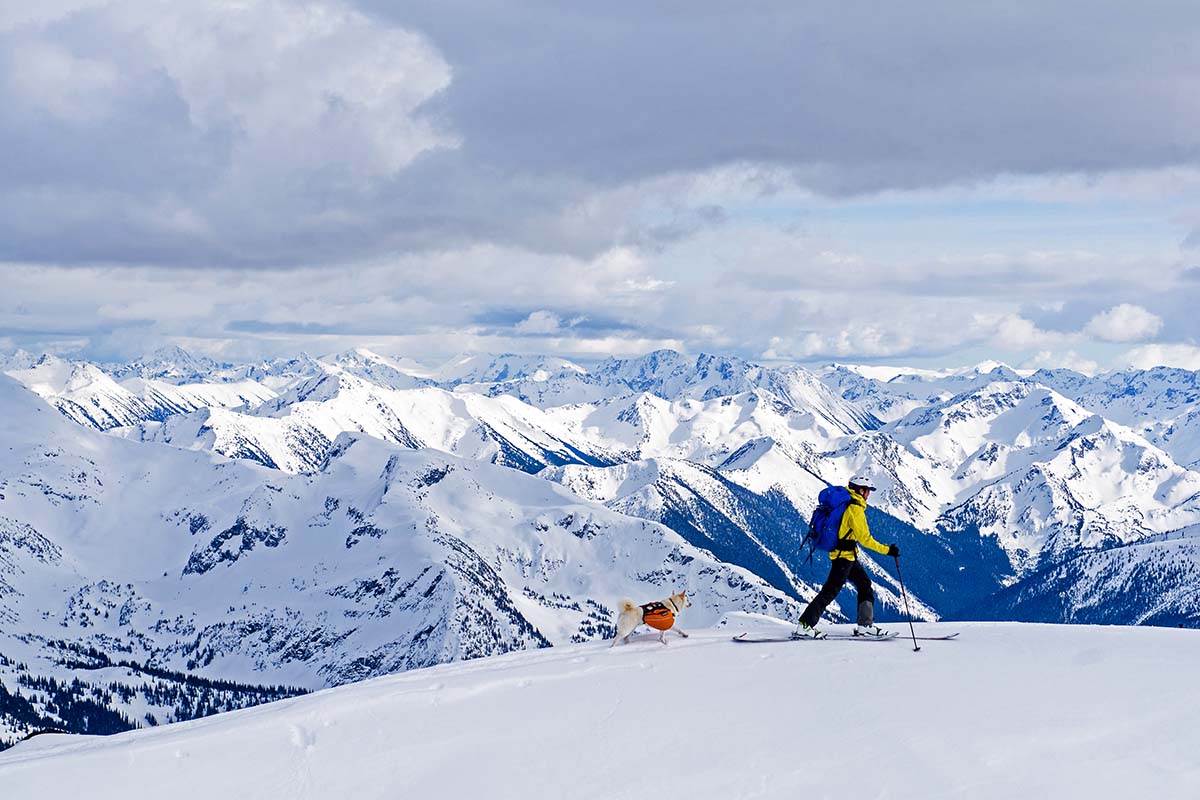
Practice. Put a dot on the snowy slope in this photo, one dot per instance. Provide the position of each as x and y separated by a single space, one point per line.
385 559
1102 486
279 374
292 432
1008 711
381 370
645 425
1162 403
177 366
83 393
475 369
86 394
886 401
17 359
167 399
666 375
1129 396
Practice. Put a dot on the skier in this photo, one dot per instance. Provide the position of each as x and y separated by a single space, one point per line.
852 532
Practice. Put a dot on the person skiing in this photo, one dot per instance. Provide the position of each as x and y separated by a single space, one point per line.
852 532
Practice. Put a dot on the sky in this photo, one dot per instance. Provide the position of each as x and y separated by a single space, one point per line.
933 184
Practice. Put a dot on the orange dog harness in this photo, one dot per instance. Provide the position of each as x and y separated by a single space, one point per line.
659 616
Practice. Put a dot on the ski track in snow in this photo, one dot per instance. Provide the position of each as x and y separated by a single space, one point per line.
1043 710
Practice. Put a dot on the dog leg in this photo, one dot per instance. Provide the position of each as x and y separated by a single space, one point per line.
681 633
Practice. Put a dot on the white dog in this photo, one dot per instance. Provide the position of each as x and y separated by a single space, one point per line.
659 615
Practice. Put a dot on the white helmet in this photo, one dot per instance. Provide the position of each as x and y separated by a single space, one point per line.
861 482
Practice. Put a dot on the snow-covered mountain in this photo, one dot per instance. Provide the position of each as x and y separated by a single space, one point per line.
710 431
470 369
83 392
384 559
18 359
1020 462
280 374
1162 403
301 522
88 395
294 431
380 370
1159 581
974 436
1103 485
1008 710
171 365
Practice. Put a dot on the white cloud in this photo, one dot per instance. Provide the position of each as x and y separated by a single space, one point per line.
224 127
800 348
303 83
1068 360
1013 332
1124 323
863 341
540 322
1183 356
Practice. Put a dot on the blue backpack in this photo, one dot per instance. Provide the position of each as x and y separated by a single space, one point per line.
827 519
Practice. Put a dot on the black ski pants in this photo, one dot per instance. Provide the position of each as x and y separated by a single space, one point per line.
841 570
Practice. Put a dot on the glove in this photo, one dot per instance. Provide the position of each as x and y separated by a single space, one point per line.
894 550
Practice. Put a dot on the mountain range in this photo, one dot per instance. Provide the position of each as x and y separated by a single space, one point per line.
303 522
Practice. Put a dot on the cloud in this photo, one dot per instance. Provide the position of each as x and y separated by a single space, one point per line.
1011 331
269 133
1181 356
441 303
1124 323
136 132
866 341
540 322
900 98
1068 360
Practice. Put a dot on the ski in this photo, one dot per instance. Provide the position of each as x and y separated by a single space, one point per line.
948 637
841 637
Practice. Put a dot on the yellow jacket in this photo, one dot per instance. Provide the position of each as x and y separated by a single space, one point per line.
854 528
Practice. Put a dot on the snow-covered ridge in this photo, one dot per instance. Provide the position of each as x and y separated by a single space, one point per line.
1057 719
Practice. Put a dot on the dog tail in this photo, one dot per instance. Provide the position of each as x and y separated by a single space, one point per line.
628 605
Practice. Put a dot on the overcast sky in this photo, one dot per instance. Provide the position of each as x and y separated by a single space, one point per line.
932 183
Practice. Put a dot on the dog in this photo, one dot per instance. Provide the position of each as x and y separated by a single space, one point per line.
659 615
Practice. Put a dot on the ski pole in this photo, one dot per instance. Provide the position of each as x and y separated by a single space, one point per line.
904 594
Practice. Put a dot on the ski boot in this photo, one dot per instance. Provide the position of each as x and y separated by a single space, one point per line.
870 630
807 632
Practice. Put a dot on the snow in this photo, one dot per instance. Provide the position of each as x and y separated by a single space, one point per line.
1006 710
385 559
